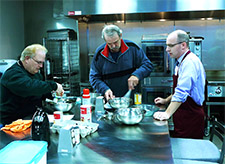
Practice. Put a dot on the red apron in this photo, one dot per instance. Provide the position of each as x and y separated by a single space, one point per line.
189 117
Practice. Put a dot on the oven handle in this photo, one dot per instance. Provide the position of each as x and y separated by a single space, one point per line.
166 81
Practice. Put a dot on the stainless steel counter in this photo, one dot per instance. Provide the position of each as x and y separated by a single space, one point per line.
147 142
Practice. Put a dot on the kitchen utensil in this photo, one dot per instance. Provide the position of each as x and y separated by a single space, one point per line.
128 93
120 102
150 109
99 106
63 104
107 106
128 116
69 137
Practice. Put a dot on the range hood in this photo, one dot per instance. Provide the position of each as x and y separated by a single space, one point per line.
142 10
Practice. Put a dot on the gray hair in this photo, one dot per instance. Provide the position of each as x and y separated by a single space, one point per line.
31 50
182 36
110 30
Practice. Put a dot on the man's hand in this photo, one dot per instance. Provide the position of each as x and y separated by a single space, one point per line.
161 116
160 100
109 94
59 91
132 82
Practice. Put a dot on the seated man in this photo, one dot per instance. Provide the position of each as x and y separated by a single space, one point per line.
22 86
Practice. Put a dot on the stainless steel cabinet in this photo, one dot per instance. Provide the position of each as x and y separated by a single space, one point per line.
62 60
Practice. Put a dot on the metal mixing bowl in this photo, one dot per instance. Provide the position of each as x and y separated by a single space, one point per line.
150 109
120 102
129 116
63 104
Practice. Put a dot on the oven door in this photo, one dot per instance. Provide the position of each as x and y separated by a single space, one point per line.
150 93
155 50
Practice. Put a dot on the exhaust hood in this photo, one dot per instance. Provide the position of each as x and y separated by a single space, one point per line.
142 10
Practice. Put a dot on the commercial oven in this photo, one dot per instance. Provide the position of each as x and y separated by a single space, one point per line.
156 52
150 93
160 81
215 102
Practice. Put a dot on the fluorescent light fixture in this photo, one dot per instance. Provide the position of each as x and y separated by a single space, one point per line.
116 6
196 5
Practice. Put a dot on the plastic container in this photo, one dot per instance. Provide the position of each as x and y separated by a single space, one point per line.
86 98
137 98
24 152
85 113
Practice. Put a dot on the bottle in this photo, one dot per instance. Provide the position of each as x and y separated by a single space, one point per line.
85 108
86 98
40 126
137 98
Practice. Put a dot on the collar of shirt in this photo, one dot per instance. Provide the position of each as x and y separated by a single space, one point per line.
181 57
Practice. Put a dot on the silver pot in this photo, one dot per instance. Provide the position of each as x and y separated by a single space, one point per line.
128 116
63 104
150 109
120 102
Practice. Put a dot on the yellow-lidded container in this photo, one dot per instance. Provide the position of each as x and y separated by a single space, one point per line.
137 98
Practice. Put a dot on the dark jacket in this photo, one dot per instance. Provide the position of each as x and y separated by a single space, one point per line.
21 92
106 73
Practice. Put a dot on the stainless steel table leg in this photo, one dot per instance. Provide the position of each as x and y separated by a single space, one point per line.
207 129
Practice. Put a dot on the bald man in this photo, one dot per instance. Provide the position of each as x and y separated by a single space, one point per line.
186 102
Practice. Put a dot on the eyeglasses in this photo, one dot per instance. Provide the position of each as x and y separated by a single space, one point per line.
38 62
172 45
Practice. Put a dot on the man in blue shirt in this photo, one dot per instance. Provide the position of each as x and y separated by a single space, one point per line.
186 102
118 65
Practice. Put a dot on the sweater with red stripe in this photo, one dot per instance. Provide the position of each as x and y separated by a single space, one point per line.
131 57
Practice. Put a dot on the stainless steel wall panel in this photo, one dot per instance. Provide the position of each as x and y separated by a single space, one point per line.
213 45
213 49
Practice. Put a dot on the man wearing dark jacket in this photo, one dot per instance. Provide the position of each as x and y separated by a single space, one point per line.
118 65
22 86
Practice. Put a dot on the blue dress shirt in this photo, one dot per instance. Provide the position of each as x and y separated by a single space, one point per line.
191 80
